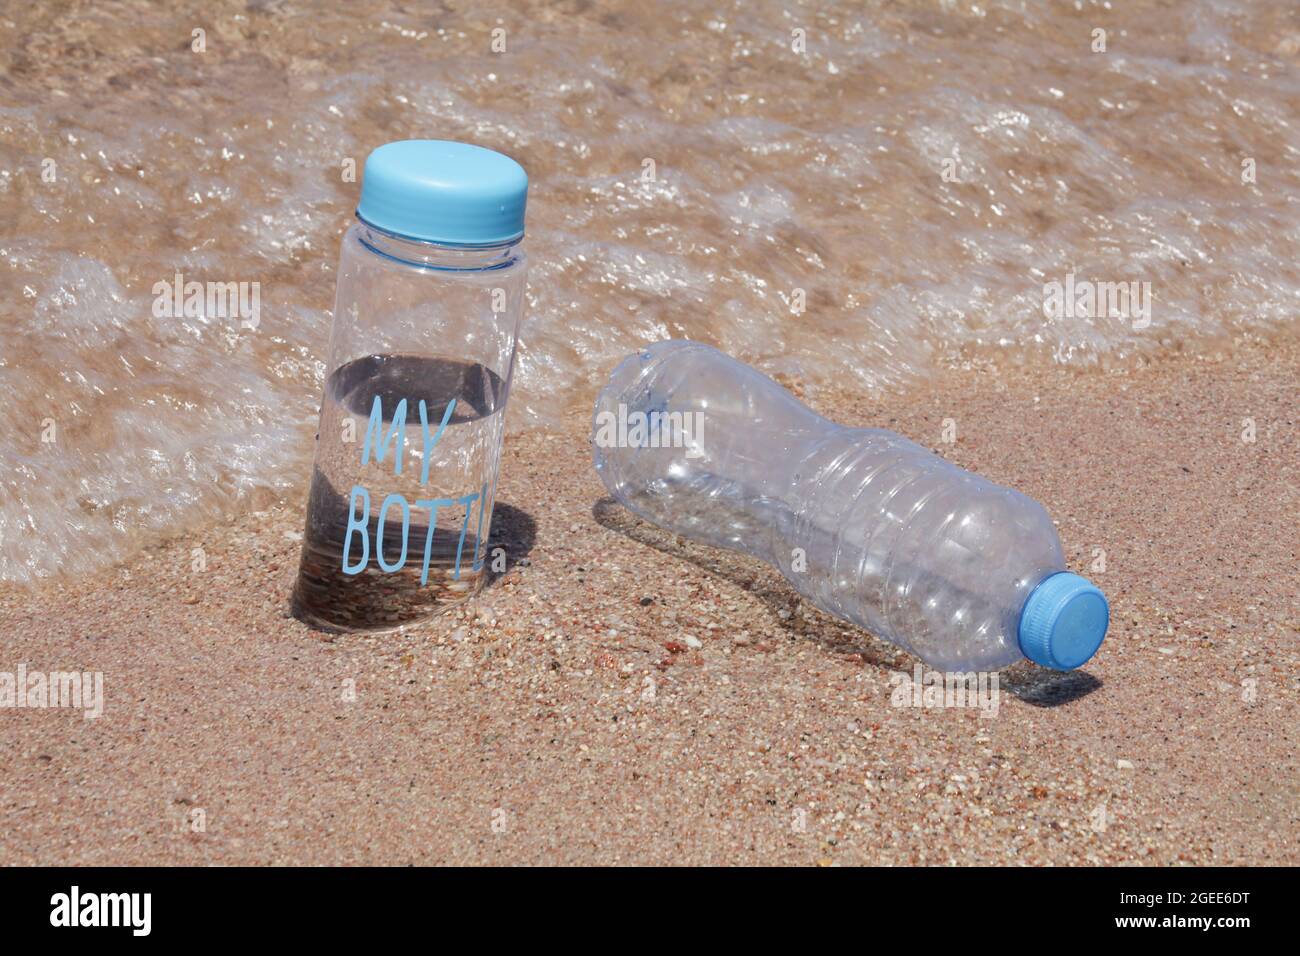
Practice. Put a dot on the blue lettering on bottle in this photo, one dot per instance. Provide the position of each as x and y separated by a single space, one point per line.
396 432
379 533
357 523
431 443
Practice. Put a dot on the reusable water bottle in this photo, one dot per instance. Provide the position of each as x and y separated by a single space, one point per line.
426 316
868 526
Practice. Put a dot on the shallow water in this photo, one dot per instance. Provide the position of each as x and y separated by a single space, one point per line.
919 172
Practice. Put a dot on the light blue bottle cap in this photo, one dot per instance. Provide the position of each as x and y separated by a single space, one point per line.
1063 621
440 191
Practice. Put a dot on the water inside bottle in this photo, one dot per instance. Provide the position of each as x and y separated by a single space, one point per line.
359 502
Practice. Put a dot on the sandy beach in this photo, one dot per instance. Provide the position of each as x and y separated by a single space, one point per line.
567 715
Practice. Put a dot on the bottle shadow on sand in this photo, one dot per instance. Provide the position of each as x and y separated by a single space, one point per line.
513 529
1034 685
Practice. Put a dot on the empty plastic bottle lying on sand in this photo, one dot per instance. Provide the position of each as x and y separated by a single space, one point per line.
873 528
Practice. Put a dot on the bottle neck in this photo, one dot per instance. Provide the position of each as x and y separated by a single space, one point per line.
438 255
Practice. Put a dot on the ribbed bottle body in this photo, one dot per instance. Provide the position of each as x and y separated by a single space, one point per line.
867 525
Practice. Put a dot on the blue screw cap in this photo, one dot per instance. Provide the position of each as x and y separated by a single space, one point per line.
1063 621
439 191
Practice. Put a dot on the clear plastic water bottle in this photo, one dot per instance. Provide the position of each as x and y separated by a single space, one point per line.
426 317
870 527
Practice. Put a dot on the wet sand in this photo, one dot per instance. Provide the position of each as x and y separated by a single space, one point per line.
547 722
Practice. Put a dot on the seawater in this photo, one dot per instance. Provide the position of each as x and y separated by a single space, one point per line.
852 192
